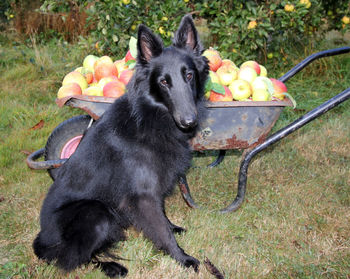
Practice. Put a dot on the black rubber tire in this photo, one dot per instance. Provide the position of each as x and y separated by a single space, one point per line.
61 135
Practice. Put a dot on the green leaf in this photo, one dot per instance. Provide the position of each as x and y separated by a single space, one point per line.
133 46
131 64
208 85
291 98
218 88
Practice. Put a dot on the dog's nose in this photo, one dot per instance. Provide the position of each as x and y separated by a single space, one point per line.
189 122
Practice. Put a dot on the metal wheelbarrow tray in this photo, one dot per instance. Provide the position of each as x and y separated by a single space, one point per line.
229 125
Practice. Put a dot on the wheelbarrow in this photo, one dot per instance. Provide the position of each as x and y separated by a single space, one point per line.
229 125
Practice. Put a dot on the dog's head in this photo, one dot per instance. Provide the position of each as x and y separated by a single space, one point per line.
176 74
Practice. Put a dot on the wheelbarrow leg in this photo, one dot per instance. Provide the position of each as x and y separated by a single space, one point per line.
185 191
218 160
311 115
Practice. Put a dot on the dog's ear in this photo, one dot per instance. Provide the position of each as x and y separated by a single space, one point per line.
148 45
186 36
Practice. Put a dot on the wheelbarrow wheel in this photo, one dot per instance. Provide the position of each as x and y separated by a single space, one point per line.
64 139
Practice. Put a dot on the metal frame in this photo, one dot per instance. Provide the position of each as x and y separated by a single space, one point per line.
250 153
96 109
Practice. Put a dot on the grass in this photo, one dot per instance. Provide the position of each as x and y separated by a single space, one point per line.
294 223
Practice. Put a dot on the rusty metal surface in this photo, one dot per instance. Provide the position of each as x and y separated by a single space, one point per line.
230 125
235 127
95 106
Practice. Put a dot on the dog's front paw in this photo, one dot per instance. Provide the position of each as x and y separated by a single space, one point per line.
189 261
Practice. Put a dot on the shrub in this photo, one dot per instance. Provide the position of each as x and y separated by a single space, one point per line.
240 30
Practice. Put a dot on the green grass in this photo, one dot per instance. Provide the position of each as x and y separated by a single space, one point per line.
294 223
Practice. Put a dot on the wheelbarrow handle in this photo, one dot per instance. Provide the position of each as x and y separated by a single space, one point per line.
42 165
309 59
280 134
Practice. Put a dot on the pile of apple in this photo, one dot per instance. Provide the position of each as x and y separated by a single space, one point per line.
227 82
99 76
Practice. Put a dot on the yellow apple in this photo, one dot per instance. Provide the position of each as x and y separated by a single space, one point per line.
77 78
261 95
227 74
93 91
247 74
89 62
240 89
263 71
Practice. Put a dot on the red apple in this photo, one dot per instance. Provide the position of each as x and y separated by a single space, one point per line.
217 97
247 73
114 89
120 65
125 76
89 77
104 67
228 62
253 65
103 81
227 74
214 59
240 89
77 78
279 88
128 56
69 90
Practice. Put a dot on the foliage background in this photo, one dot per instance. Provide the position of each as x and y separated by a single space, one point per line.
240 30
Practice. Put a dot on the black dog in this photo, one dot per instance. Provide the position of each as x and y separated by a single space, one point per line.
129 161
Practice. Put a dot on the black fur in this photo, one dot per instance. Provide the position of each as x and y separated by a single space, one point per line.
130 160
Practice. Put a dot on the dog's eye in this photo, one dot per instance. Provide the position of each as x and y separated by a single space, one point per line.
189 76
164 82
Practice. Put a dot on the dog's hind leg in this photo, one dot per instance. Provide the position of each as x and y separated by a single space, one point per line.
150 218
88 228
